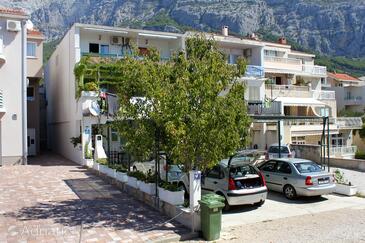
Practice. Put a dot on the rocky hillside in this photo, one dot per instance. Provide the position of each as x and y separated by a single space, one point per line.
335 27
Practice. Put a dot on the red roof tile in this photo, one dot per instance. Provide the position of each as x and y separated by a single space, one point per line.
35 33
343 76
12 11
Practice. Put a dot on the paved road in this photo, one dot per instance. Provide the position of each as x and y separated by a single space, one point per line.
55 200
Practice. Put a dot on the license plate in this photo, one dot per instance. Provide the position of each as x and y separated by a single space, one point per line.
323 181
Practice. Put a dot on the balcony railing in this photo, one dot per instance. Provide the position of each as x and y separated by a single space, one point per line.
348 122
287 87
314 70
262 108
1 100
343 151
324 95
283 60
255 71
352 100
115 56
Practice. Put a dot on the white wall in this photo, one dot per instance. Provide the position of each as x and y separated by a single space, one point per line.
63 109
11 136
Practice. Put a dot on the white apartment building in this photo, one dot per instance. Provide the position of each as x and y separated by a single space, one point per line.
13 87
296 89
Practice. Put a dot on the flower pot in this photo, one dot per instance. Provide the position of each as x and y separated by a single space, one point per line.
345 190
148 188
133 182
96 166
107 171
174 198
121 176
89 163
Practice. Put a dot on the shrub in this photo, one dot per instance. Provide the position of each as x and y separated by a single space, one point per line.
150 177
119 168
102 161
360 155
92 86
75 141
137 174
173 187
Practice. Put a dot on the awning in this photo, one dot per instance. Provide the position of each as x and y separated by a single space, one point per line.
294 101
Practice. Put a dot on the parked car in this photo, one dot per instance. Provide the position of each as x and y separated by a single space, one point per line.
236 180
285 151
297 177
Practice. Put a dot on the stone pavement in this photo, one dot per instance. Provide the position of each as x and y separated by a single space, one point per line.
55 200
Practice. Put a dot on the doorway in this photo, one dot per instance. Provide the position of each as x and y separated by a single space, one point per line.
31 142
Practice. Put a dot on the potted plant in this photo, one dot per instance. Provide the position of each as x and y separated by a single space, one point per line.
134 178
148 184
171 193
121 173
104 169
343 186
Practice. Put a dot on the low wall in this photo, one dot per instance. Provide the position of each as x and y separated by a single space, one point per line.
307 151
179 213
313 152
352 164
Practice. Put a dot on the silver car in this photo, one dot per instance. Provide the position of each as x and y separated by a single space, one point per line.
239 182
297 177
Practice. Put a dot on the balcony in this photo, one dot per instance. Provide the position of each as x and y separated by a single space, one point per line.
254 71
293 66
115 56
352 100
348 122
274 90
2 107
260 108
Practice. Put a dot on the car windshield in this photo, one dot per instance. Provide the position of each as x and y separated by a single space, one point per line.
307 167
242 159
241 171
275 149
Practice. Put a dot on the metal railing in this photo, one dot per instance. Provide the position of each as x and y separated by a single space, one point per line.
269 108
287 87
343 151
285 60
254 71
116 56
1 100
348 122
324 95
314 70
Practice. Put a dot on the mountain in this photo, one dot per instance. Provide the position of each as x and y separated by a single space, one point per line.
332 27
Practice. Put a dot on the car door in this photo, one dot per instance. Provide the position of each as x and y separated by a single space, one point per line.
213 179
273 181
284 173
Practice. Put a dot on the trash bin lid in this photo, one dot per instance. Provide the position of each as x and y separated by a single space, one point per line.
211 204
212 196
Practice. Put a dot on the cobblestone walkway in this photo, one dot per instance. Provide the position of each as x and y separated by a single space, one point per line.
55 200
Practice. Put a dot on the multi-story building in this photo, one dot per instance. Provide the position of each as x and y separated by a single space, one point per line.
279 81
13 87
34 74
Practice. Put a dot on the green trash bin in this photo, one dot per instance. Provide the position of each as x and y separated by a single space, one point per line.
211 216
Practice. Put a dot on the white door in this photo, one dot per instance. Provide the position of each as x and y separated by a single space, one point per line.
31 142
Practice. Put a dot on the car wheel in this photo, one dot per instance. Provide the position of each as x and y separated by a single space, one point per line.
289 192
226 204
259 204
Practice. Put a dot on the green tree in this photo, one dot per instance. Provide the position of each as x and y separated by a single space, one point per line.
192 106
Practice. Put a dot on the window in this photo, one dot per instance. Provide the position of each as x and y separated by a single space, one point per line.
269 166
253 93
325 111
114 135
31 49
275 149
283 168
93 48
215 173
104 49
271 53
307 167
298 140
30 93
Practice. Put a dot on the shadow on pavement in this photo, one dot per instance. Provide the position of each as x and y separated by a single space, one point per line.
279 197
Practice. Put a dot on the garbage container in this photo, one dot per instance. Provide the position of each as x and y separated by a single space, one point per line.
211 216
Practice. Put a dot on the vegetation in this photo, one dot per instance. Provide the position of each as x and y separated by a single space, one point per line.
92 86
88 154
75 141
176 106
102 161
48 48
173 187
350 113
119 168
360 155
340 178
137 174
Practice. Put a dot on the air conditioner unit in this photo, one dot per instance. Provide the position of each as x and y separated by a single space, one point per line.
116 40
248 52
13 25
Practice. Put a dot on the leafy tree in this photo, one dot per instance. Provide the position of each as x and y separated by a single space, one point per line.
192 106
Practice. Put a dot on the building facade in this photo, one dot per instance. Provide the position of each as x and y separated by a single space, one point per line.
13 87
279 82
